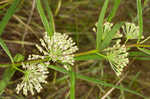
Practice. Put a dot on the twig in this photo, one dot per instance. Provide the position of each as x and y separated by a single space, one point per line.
29 20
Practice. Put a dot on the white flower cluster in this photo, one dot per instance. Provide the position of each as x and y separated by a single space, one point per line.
117 57
131 31
34 75
57 48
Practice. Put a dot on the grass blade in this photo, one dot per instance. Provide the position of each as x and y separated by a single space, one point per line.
93 80
3 45
9 72
134 79
146 51
140 18
137 53
110 35
93 56
89 55
114 10
96 81
142 58
72 87
43 18
100 25
50 16
11 10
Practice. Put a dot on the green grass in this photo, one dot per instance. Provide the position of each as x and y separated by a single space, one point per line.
140 18
72 84
110 36
92 80
49 27
8 15
100 25
114 10
9 72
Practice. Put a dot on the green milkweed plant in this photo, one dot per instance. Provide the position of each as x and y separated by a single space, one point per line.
60 49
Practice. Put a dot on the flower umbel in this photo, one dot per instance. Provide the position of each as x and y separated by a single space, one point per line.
59 48
117 57
131 30
34 75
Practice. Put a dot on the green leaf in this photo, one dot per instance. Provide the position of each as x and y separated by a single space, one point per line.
19 58
140 18
7 75
45 22
96 81
93 80
142 58
114 10
8 72
137 53
110 35
11 10
147 51
3 45
50 16
92 56
100 25
72 85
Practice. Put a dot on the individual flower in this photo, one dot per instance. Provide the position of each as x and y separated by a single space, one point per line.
117 57
35 74
60 47
107 26
131 31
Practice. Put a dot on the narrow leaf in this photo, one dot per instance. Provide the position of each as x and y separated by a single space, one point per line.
93 80
7 75
110 35
93 56
50 16
9 72
140 18
72 86
137 53
142 58
3 45
114 10
100 25
147 51
134 78
43 18
11 10
96 81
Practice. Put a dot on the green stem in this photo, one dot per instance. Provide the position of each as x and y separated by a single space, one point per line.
47 59
15 67
20 63
102 55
